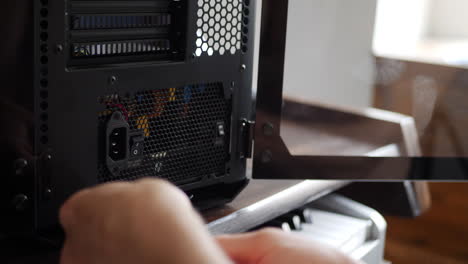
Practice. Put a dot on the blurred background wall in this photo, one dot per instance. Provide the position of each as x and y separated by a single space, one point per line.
329 51
331 43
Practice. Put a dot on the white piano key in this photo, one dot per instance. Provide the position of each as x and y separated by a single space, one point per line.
333 228
338 220
317 239
339 231
313 230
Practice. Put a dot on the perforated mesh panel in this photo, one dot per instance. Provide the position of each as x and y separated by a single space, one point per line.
180 128
219 27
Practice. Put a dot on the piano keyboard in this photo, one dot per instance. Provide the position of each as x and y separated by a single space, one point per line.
333 220
339 231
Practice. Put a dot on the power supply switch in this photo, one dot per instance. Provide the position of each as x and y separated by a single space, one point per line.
221 130
137 144
220 134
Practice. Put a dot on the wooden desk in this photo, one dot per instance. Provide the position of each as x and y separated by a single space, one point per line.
259 202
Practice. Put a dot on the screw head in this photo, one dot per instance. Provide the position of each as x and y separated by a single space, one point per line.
112 80
59 48
49 157
243 68
19 165
19 202
47 193
268 129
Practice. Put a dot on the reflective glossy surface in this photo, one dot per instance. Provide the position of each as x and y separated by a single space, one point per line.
321 93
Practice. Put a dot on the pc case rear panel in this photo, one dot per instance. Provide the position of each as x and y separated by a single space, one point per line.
128 89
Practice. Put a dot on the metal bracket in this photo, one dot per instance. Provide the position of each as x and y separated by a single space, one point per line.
247 132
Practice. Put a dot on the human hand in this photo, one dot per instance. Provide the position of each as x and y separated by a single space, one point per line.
149 221
271 246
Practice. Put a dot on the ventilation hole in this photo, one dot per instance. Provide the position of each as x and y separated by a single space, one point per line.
44 83
44 12
245 30
44 71
244 49
44 105
44 36
245 20
44 94
44 59
44 117
245 39
44 128
44 139
219 23
246 11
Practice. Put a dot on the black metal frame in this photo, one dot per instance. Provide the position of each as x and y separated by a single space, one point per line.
62 102
272 160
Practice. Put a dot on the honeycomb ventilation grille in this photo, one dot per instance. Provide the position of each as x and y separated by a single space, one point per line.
179 125
219 27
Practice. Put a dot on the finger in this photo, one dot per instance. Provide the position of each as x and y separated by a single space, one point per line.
68 255
67 214
248 247
162 194
86 204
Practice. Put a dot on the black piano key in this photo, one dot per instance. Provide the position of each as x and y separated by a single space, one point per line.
293 220
304 215
279 224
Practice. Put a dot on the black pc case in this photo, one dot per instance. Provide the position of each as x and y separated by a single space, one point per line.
102 91
94 91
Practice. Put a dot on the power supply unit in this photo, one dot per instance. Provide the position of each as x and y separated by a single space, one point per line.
111 90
